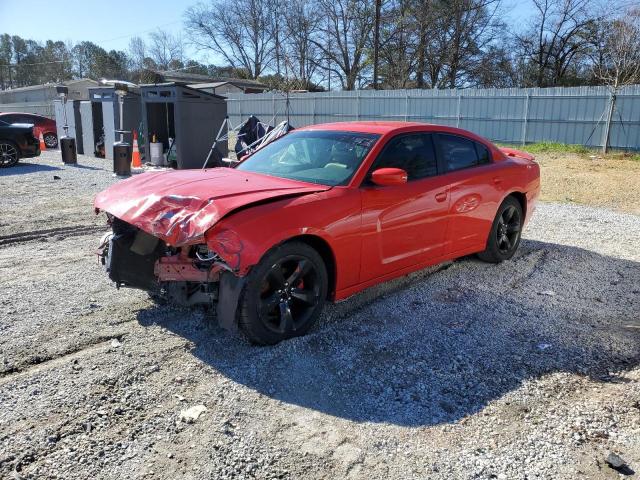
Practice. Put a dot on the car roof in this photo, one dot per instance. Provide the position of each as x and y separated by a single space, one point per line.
27 114
365 127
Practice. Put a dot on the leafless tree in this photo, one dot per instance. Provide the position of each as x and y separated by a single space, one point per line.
240 31
397 44
618 61
344 38
301 55
557 36
137 53
166 49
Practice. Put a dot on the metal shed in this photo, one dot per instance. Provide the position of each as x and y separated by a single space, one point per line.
73 121
101 114
190 116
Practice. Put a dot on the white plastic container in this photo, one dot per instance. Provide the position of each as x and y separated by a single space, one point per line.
155 152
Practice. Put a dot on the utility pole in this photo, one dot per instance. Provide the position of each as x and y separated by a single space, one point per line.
376 44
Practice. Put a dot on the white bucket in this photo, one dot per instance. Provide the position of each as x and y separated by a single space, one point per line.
155 152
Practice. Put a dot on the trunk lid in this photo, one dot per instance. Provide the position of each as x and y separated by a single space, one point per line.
512 152
179 206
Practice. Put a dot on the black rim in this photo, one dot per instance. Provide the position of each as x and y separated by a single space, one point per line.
508 230
8 154
289 294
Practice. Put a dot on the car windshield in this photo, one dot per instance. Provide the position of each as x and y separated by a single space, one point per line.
316 156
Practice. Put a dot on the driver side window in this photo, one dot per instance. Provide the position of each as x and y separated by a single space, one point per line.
413 153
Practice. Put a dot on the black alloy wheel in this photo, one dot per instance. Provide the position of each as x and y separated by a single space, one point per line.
505 234
284 295
9 154
289 294
508 231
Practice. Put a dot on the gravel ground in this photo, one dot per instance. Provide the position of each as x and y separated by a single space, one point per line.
527 369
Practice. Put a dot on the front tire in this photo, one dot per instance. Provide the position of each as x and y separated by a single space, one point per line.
9 154
505 234
284 294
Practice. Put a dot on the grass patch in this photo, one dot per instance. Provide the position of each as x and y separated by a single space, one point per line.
552 147
555 147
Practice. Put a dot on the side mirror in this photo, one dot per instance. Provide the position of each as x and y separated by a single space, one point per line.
389 176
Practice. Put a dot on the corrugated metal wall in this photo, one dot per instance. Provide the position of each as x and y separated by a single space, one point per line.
575 115
45 109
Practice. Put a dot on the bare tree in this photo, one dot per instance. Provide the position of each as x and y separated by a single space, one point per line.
344 38
301 55
397 44
137 53
619 58
166 49
238 30
558 35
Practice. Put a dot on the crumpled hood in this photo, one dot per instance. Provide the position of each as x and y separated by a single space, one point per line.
179 206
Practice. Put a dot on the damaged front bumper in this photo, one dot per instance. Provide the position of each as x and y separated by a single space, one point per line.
188 276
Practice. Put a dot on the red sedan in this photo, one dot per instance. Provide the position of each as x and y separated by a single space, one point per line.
319 214
41 125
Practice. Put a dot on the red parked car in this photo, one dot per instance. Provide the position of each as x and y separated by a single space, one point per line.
319 214
41 124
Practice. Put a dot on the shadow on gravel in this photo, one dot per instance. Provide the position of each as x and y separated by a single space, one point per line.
436 348
22 168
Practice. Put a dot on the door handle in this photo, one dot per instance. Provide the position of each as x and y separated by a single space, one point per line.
497 180
441 197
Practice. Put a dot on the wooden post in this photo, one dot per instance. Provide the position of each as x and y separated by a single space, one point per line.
458 111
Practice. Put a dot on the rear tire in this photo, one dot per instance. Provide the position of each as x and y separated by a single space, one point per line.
284 294
9 154
50 140
505 234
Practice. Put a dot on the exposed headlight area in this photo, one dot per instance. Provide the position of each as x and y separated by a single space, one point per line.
136 259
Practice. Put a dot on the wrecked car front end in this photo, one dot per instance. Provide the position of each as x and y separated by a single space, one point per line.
166 236
188 276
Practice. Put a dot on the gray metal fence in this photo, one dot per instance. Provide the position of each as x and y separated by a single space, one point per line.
41 108
577 115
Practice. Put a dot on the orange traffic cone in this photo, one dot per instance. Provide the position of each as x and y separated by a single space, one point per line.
43 146
135 156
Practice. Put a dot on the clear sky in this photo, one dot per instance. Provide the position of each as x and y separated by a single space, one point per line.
111 23
108 23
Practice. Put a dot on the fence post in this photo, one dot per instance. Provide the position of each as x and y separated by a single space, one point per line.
273 107
607 128
406 105
527 99
357 104
313 112
458 111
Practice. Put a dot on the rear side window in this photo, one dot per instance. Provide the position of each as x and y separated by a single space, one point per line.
483 153
459 152
414 153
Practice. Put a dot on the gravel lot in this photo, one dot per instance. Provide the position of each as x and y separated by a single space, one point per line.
528 369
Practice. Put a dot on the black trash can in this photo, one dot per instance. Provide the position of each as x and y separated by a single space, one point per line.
68 150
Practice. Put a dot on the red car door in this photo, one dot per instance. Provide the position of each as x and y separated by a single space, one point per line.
474 189
404 225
